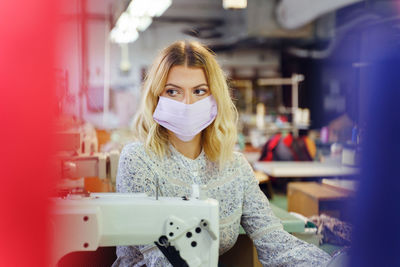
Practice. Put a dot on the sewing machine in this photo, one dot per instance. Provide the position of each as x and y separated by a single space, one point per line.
78 157
185 229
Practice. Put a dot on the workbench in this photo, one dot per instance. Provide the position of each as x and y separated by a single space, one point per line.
285 169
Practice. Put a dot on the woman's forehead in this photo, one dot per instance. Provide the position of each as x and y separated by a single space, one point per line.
184 75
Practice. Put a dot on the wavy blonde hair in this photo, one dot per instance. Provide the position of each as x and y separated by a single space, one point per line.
219 138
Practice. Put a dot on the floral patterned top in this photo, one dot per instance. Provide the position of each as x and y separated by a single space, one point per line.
240 202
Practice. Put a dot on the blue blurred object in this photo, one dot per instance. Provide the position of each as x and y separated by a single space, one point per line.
376 240
354 135
339 259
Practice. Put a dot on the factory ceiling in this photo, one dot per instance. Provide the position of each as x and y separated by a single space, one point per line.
257 26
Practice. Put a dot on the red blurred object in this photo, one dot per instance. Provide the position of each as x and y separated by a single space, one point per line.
283 118
26 108
287 148
288 140
274 142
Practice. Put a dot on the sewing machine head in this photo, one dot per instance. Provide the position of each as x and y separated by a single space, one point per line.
186 231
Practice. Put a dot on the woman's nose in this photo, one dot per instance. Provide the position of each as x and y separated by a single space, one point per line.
188 99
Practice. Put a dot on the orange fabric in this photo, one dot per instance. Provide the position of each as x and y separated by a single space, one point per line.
311 147
103 137
95 184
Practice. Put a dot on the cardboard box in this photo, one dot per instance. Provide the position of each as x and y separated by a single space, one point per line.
311 198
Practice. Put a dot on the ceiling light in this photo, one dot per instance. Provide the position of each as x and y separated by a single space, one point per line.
148 8
121 36
234 4
143 23
137 17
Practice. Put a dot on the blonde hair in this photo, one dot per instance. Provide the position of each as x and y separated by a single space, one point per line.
219 138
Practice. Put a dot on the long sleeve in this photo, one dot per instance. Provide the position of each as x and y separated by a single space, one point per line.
134 176
275 247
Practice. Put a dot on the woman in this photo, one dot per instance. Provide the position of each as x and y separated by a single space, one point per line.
186 128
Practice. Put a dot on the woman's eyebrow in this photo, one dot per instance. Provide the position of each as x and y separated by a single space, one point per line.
200 85
173 85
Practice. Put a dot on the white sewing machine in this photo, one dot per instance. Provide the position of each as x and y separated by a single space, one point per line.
185 230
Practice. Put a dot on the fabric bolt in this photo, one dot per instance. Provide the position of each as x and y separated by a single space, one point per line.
240 202
185 120
333 230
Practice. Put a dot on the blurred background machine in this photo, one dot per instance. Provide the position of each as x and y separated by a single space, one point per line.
80 167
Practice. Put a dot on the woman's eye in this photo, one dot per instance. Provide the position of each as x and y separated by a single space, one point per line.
172 92
200 92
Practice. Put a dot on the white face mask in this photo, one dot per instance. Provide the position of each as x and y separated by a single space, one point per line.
185 120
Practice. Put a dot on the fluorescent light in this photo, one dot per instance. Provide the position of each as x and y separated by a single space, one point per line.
137 17
150 8
120 36
143 23
160 6
234 4
124 21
